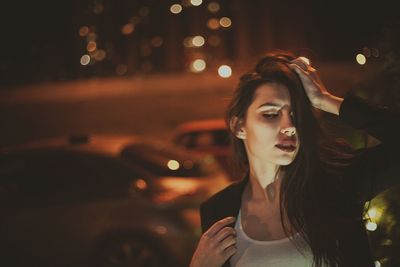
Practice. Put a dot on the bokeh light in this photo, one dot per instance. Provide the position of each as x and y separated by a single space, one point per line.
141 184
213 7
83 31
225 22
85 59
371 226
91 36
188 164
361 59
196 2
375 52
99 55
225 71
187 42
173 165
366 51
91 46
175 9
198 65
198 41
157 41
213 24
127 28
121 69
98 8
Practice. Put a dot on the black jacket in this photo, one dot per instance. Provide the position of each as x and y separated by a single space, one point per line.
374 170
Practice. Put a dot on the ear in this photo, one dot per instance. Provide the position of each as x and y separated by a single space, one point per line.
237 128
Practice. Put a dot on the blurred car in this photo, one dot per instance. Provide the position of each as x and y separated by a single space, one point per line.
101 201
208 137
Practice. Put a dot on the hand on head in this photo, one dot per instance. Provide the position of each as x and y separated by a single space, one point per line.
310 79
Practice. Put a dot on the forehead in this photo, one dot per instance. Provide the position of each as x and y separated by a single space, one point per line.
273 93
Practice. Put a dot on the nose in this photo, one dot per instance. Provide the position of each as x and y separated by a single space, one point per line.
289 131
287 126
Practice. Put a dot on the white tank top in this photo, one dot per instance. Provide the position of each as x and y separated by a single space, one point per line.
275 253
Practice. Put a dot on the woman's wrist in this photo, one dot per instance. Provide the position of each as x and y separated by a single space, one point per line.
330 103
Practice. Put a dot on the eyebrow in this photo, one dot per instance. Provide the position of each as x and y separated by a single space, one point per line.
270 104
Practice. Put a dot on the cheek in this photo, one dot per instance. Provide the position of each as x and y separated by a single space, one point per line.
262 134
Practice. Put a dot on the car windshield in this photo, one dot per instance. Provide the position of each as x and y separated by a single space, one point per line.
164 160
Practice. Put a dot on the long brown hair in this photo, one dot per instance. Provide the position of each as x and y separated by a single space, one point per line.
301 186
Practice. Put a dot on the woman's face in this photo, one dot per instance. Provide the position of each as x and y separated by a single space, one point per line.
270 135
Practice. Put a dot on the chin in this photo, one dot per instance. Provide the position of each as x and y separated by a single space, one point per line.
285 161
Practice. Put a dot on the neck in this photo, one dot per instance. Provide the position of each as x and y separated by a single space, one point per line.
264 182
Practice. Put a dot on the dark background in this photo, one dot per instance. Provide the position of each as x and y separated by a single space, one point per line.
40 40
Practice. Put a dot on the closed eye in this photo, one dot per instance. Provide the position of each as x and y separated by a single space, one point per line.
270 115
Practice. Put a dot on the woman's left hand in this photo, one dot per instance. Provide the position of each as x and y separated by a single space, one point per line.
315 89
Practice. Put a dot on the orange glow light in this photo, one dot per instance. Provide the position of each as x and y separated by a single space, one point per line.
213 24
127 29
83 31
91 46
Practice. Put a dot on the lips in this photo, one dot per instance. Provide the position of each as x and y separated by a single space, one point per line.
287 147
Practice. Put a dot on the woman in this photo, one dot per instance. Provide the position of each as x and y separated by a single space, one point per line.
302 200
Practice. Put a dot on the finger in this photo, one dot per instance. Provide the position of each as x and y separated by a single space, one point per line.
305 60
229 252
226 231
298 70
227 242
301 63
216 227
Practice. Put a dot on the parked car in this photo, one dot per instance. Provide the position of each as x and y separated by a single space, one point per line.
91 201
208 137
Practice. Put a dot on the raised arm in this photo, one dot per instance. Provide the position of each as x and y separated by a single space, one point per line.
376 168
